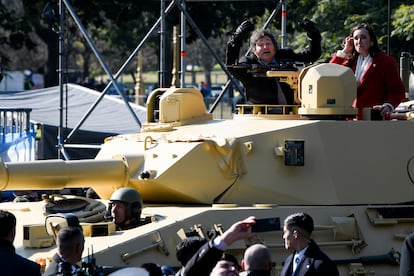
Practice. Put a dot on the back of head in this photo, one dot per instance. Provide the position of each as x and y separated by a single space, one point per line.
188 247
300 220
68 239
130 271
257 257
8 224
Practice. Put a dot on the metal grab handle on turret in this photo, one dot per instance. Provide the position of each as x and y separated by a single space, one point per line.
148 139
158 242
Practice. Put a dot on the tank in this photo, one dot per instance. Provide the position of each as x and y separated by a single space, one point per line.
196 173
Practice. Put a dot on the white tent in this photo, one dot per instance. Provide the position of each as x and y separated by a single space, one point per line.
111 115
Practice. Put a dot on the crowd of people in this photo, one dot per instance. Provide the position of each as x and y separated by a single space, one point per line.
197 255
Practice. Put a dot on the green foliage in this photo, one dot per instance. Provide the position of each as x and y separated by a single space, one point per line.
403 22
14 30
118 25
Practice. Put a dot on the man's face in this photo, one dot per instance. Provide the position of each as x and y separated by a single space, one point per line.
265 49
118 212
289 237
224 268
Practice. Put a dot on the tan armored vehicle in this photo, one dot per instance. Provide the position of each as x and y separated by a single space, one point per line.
195 173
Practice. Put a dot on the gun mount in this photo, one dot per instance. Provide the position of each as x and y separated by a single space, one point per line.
355 177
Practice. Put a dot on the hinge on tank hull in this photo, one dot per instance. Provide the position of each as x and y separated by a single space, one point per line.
157 242
197 230
356 265
390 215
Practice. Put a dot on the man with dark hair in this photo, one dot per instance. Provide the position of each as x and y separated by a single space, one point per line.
186 248
208 257
307 258
10 262
70 244
226 266
264 51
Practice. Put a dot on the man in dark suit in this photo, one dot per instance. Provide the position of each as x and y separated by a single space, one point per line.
11 263
211 256
70 243
307 258
407 256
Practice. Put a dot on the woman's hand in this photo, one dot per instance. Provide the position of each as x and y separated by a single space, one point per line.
349 44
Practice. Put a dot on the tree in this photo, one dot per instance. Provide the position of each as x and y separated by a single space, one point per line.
117 26
403 22
117 23
13 33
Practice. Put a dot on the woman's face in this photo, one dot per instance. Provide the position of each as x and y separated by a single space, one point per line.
362 41
265 49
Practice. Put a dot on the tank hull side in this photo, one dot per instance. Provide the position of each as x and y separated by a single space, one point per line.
155 242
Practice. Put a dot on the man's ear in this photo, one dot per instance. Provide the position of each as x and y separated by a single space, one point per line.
295 233
79 248
243 265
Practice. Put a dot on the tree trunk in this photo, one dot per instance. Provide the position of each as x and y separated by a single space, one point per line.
51 39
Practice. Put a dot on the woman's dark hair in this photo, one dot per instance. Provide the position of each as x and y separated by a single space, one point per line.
374 48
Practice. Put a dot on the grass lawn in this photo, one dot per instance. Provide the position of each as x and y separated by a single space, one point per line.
149 78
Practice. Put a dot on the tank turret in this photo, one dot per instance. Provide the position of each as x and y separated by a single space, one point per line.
246 160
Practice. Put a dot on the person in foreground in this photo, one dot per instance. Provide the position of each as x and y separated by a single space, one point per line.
307 258
207 258
407 256
70 244
257 261
186 249
379 85
226 266
13 264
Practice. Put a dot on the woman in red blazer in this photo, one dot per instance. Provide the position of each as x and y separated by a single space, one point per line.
379 85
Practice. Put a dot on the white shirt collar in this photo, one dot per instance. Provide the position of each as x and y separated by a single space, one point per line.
362 66
301 253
